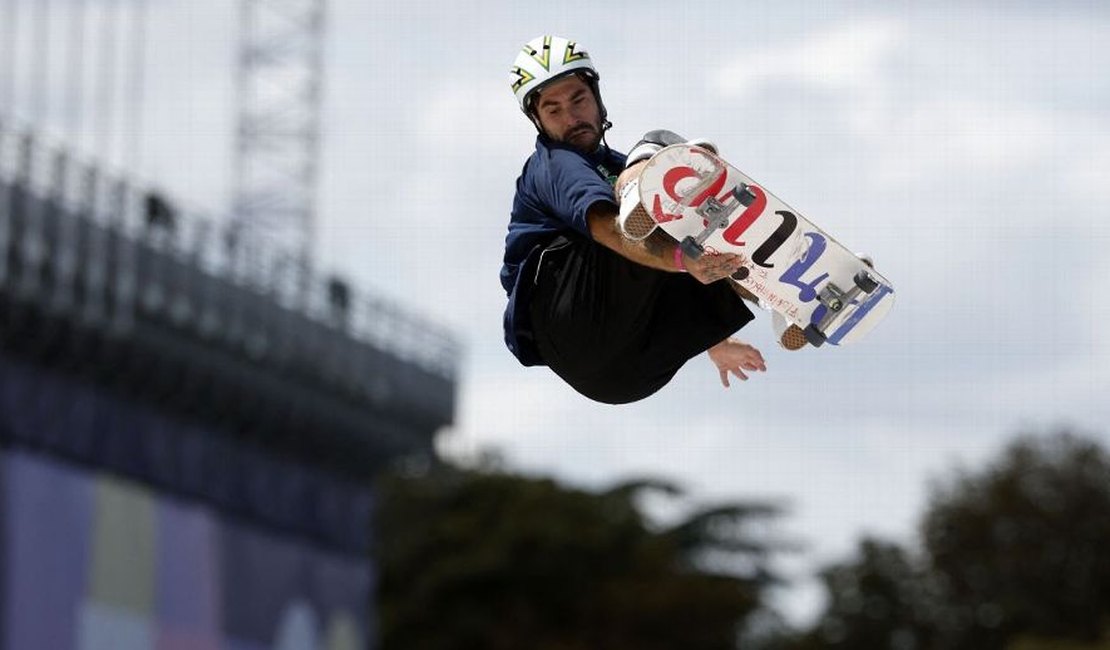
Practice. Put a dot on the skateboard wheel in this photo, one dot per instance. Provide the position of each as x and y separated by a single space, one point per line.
692 248
865 282
814 336
743 194
741 273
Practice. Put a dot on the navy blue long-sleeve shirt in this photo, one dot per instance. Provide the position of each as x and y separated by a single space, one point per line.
556 189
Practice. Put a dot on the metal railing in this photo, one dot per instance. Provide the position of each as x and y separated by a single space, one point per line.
113 253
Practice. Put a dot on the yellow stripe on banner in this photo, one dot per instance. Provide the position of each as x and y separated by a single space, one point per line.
342 633
123 546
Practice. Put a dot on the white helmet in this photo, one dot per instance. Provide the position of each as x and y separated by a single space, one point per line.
544 59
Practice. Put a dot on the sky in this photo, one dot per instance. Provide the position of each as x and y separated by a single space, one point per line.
964 146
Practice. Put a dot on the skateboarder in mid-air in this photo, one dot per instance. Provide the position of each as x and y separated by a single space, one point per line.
613 317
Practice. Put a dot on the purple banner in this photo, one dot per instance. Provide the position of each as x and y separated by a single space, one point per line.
94 562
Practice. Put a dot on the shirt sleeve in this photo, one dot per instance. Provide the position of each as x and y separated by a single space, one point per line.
575 187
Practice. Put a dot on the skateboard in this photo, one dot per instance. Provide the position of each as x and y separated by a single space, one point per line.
794 267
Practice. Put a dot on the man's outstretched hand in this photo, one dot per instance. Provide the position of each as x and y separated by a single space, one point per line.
732 356
712 267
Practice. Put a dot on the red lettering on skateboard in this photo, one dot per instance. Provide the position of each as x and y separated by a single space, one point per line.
786 268
676 175
659 215
745 220
671 179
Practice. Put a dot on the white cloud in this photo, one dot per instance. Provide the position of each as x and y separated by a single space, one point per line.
477 118
846 56
957 137
1086 172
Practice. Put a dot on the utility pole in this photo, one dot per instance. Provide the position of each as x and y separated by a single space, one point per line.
280 71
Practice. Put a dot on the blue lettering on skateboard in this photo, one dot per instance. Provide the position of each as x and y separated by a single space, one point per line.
793 275
860 313
807 291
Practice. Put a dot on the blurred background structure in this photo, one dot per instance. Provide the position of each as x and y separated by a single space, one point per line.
280 79
191 413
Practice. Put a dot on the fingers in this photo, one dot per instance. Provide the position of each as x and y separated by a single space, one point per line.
736 372
752 359
713 267
734 357
755 363
727 263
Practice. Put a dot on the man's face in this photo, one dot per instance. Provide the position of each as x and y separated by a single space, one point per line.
568 113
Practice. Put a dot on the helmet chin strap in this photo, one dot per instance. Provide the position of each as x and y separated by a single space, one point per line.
605 126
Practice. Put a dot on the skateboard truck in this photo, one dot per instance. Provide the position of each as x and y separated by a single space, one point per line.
716 215
835 300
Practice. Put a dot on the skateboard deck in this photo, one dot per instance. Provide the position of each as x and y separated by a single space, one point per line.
794 267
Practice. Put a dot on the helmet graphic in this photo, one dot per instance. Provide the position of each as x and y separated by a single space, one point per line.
544 59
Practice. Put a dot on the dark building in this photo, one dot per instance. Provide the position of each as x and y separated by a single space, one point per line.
188 443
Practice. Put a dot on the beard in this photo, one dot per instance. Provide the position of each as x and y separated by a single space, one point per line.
584 137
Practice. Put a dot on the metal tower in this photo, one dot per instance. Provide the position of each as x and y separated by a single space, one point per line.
280 70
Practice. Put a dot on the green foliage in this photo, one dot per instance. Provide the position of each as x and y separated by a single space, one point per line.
1013 556
1021 547
1035 643
493 560
882 599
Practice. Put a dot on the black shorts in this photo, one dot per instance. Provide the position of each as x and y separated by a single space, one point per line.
618 331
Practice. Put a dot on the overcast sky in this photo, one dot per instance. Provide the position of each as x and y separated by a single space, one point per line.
965 146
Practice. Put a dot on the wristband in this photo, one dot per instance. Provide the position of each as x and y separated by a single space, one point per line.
678 262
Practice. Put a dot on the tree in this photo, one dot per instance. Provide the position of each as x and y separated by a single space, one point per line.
1022 547
1013 556
1034 643
488 559
881 600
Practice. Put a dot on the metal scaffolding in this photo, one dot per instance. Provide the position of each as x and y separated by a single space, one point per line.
278 138
76 69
